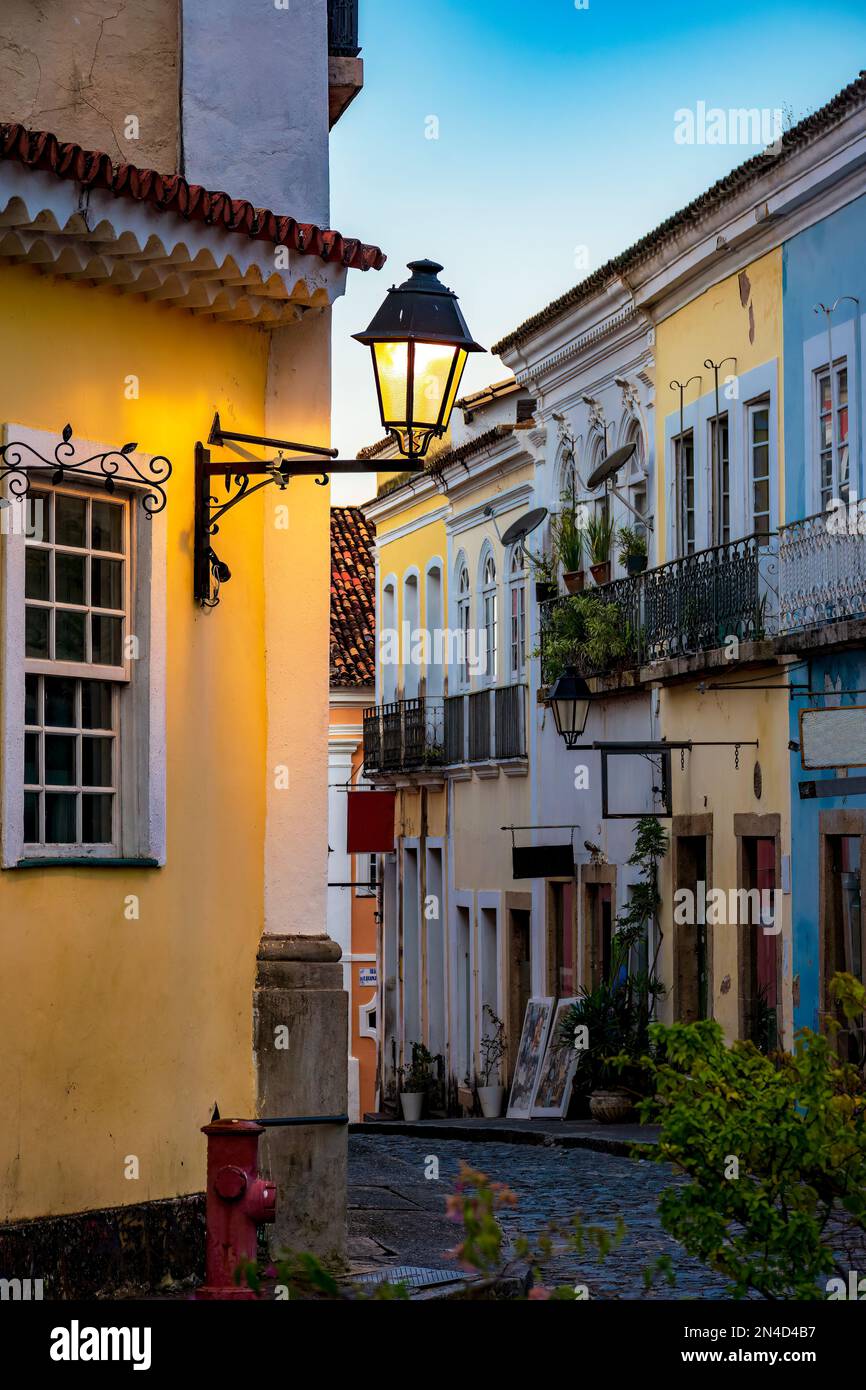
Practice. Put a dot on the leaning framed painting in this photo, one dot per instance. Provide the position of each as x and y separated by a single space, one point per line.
556 1073
533 1040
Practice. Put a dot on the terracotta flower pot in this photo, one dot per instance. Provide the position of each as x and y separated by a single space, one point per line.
610 1107
601 573
574 580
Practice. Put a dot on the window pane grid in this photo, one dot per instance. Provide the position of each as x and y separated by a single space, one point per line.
75 582
76 599
70 767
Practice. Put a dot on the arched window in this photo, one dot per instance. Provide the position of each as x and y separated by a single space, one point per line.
637 480
489 617
464 608
517 611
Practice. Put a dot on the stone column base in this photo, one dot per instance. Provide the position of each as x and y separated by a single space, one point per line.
300 1027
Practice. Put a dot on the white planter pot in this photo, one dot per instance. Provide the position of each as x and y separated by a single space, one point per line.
411 1103
491 1098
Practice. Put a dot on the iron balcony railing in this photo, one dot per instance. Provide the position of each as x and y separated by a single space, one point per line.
343 28
687 606
486 724
404 735
822 571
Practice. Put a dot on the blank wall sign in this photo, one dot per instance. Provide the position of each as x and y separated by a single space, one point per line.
834 737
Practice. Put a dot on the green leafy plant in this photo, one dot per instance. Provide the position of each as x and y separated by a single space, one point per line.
616 1013
631 542
599 537
493 1048
774 1149
585 631
568 538
417 1075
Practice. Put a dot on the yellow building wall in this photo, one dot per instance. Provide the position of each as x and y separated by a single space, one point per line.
739 317
117 1036
711 784
742 318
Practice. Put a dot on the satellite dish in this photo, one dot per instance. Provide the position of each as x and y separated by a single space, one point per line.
610 465
517 532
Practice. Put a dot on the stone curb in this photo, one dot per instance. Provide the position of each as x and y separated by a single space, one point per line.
482 1133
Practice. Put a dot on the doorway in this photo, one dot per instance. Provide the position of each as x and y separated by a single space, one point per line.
693 937
519 978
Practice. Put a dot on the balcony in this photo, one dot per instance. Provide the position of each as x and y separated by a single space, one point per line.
412 736
345 68
343 28
486 726
404 736
688 606
822 572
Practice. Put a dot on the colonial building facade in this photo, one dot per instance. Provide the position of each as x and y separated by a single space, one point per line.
699 354
164 765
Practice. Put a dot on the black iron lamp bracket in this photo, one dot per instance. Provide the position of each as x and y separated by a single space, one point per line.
210 572
21 465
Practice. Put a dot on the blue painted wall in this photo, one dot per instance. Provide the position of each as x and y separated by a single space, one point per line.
818 266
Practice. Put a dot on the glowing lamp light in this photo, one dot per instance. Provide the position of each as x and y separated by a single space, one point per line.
419 343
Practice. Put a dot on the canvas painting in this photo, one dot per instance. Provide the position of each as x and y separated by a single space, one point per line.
533 1039
556 1074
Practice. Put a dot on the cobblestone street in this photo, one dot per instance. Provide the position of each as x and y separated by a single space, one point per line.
393 1204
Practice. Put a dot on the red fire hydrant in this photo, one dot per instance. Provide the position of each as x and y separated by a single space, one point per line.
238 1202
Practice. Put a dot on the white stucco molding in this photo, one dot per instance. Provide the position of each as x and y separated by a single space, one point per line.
134 248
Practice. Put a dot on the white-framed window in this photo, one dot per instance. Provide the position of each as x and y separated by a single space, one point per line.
759 466
517 614
82 674
684 460
366 875
832 438
489 617
720 458
464 619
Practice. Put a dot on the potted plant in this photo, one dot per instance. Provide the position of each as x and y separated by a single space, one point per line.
415 1080
544 573
568 544
599 535
493 1047
567 531
632 553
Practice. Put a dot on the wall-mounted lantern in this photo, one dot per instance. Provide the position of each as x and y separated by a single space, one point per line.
570 698
419 342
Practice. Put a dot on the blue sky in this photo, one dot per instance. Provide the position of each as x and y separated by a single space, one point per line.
555 132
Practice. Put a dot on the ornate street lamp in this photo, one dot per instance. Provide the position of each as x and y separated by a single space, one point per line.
419 342
570 697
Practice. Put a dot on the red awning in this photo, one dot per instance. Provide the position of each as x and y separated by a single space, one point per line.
371 822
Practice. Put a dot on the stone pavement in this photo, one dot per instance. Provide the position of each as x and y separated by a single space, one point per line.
396 1215
571 1134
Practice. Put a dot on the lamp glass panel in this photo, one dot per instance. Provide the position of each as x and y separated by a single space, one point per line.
391 361
432 370
455 386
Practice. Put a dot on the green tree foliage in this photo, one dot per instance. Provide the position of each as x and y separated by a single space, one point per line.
774 1149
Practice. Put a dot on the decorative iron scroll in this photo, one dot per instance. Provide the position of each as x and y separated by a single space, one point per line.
17 459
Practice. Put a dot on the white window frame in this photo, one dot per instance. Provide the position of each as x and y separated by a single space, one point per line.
365 885
141 817
840 365
517 590
752 408
464 622
685 545
488 594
